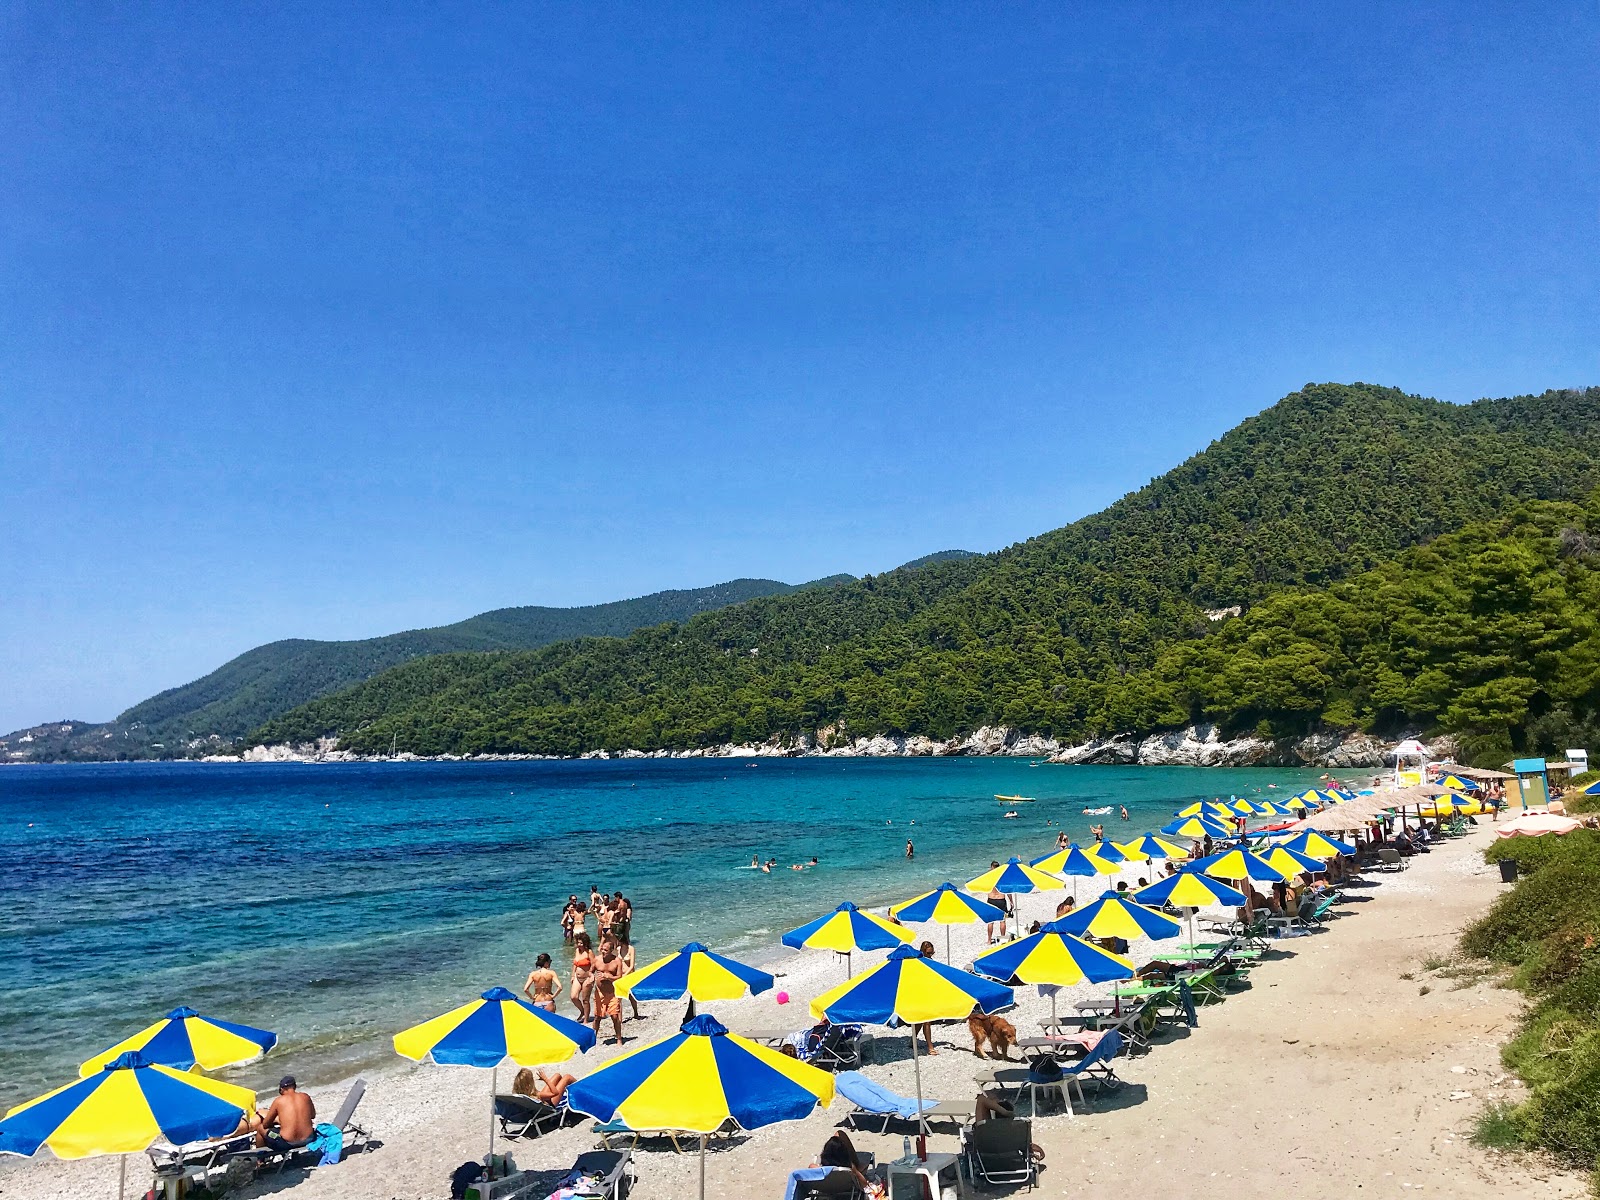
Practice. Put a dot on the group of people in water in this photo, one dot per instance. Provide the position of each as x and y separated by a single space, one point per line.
766 867
593 988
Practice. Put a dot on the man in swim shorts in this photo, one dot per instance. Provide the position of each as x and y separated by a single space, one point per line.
607 1003
294 1115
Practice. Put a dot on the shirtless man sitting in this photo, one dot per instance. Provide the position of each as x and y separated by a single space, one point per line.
292 1112
607 1003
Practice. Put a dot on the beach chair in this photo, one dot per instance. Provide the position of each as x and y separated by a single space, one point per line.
868 1098
596 1174
1389 860
525 1116
198 1158
839 1050
999 1152
838 1184
1095 1066
353 1136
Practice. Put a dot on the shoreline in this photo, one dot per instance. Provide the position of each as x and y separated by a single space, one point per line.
1334 1020
1200 745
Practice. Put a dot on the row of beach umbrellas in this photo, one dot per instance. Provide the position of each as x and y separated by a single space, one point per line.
147 1087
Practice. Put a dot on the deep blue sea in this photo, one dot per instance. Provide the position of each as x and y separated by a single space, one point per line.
337 904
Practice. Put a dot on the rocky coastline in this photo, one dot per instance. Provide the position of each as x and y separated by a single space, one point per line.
1195 746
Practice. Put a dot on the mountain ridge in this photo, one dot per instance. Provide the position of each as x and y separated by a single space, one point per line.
1328 482
264 681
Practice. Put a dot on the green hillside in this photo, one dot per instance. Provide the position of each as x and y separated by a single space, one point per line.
1330 482
272 679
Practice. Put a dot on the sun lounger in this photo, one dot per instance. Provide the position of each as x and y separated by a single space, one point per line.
525 1116
869 1098
1389 860
1000 1151
603 1174
198 1158
1095 1066
835 1183
616 1130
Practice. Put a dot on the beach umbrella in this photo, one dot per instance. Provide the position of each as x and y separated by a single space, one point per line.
1459 784
1015 878
1240 864
1191 889
1297 803
496 1028
698 1079
695 972
1593 789
1055 956
1206 808
1317 845
1115 915
184 1039
121 1109
1537 824
1271 808
1076 863
1292 863
1242 808
1107 850
907 987
845 930
1150 846
1196 827
948 905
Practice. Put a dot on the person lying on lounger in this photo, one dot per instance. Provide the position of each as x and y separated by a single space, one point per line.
547 1085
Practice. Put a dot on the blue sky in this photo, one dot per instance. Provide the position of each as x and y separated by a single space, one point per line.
329 323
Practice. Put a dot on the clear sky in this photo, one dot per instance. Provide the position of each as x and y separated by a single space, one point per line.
329 323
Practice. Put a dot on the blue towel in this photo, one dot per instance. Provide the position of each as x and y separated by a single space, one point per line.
874 1097
329 1139
806 1175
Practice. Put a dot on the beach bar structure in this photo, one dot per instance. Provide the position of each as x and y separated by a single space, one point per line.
1533 788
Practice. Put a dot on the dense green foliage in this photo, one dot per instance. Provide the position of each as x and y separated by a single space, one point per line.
1101 626
1548 927
272 679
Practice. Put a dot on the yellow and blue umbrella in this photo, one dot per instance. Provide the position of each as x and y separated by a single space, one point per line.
497 1027
699 1078
1117 916
1241 808
1054 956
694 972
124 1107
1290 862
948 905
1206 808
1076 862
1240 864
1107 850
845 930
1297 803
1317 845
1142 849
907 987
1593 789
1014 878
1196 827
184 1039
1189 888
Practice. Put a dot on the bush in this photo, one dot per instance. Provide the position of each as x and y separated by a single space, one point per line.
1532 853
1578 803
1564 1114
1499 1127
1583 778
1558 895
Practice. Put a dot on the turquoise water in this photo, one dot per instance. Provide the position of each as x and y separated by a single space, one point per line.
336 904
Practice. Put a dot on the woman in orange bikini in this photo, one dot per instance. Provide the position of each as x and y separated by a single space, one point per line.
582 974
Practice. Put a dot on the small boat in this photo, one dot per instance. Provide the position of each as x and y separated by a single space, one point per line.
1097 812
1012 813
1016 799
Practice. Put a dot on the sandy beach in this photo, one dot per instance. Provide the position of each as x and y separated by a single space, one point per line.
1347 1059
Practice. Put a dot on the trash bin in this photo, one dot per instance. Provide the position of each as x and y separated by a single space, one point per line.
1508 870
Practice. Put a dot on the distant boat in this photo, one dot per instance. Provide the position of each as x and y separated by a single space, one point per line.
1016 799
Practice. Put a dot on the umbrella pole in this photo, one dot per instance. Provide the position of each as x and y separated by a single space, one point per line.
947 945
922 1124
849 971
702 1167
494 1086
122 1176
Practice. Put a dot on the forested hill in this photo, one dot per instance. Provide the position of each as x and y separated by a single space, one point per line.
1329 482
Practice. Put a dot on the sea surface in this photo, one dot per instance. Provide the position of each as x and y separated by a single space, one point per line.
337 904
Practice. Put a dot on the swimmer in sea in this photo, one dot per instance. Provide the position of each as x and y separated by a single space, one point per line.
1124 812
755 861
911 851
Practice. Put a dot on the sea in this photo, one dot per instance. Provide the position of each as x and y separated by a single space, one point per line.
336 904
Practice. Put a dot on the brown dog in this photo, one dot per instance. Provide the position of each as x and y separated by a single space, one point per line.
1000 1033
